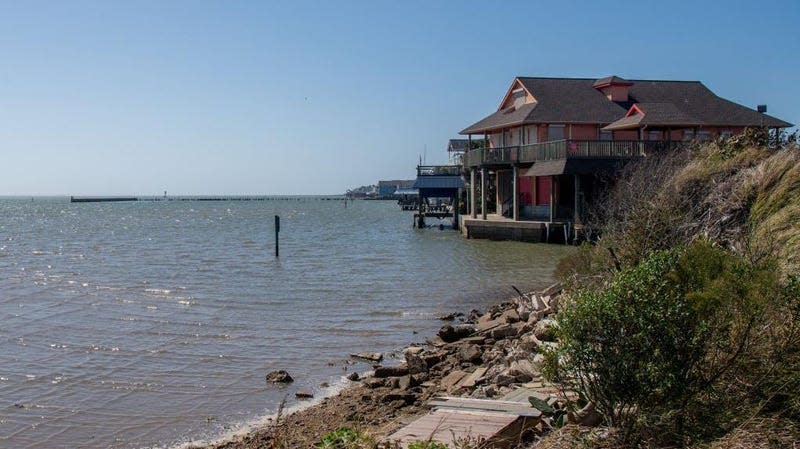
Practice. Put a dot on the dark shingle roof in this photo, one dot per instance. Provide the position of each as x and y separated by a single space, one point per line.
611 80
576 100
655 114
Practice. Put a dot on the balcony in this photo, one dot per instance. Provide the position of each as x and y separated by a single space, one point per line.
439 170
565 149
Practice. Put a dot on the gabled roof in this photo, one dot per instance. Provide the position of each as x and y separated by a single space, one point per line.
611 81
576 100
654 114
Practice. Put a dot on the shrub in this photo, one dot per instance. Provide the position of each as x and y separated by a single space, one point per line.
663 333
346 438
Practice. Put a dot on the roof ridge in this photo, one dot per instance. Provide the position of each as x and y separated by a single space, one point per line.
594 79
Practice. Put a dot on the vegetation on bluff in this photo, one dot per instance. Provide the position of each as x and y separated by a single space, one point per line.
682 323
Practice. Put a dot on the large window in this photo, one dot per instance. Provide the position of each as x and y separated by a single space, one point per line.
555 132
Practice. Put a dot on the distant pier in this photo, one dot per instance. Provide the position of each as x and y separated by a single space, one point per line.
101 199
110 199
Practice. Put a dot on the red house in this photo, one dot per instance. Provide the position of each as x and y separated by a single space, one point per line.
551 137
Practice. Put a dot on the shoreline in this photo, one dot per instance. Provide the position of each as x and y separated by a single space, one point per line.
494 350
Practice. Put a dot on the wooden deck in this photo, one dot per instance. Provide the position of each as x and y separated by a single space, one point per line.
498 424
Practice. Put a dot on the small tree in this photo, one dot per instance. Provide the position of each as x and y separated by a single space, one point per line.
662 333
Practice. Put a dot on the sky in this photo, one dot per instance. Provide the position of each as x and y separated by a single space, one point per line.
237 97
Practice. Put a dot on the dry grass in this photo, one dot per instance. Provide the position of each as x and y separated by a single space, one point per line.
763 433
578 437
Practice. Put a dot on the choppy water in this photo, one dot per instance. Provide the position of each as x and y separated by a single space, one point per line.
149 324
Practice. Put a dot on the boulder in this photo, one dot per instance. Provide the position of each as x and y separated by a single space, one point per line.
450 380
371 356
279 377
303 394
450 333
433 359
451 316
546 330
353 376
390 371
407 382
503 331
509 316
470 353
504 380
415 363
374 383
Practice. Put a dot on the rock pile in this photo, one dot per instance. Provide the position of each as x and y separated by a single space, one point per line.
486 356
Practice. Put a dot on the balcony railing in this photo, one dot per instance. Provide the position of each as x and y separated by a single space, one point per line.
438 170
566 149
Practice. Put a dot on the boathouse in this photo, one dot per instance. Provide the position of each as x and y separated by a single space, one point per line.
552 140
440 188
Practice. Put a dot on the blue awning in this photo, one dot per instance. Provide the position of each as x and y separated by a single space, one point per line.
439 182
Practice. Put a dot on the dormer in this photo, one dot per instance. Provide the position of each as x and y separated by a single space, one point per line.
614 88
516 96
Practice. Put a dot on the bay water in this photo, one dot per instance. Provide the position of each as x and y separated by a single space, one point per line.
150 324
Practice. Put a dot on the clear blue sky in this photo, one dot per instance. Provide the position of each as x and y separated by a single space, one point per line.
237 97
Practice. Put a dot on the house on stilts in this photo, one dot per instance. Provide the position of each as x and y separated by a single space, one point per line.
552 139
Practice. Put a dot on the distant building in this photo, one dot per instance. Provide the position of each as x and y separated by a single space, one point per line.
388 188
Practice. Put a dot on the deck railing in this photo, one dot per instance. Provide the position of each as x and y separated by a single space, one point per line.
439 170
566 149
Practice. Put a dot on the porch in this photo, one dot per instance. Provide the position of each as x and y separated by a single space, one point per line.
565 149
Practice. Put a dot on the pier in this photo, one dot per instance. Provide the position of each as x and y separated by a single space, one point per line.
110 199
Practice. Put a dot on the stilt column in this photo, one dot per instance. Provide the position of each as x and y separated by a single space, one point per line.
515 192
483 193
552 198
577 209
473 209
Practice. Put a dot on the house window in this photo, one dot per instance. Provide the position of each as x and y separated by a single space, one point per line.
654 135
703 136
688 134
555 132
606 135
725 133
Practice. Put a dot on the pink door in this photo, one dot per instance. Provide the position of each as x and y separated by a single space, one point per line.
543 186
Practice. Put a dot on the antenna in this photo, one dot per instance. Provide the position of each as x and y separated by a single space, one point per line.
425 153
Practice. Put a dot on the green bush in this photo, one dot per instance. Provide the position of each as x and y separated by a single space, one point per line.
663 333
346 438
